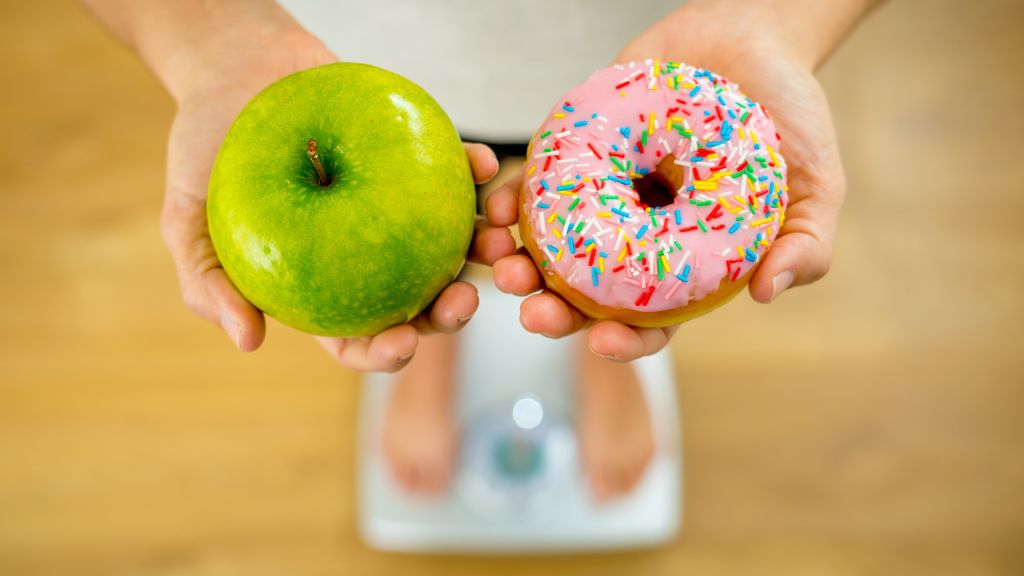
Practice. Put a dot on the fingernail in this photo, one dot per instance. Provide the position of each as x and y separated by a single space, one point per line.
463 320
605 356
782 281
234 330
403 360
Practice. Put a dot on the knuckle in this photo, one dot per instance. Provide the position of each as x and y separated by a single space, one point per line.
818 264
336 350
820 250
824 265
653 340
192 298
399 364
167 229
180 210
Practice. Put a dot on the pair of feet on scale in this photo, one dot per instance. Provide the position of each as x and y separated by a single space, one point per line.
420 439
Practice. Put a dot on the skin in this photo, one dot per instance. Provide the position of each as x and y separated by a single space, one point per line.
323 256
213 57
771 50
420 437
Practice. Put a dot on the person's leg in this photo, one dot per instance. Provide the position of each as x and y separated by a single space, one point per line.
613 424
419 437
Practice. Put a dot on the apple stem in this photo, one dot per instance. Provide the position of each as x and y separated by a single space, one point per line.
314 157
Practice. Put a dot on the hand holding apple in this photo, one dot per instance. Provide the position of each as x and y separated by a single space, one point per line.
210 93
341 201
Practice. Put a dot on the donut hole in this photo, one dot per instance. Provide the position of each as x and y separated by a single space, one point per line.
658 187
654 190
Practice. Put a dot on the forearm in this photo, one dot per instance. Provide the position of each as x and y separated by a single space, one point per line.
811 29
817 27
189 41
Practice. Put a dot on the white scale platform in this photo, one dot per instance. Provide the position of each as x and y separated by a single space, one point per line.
519 487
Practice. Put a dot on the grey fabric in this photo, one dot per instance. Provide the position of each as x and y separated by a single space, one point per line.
496 67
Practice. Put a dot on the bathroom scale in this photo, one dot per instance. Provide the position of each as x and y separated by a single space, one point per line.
518 485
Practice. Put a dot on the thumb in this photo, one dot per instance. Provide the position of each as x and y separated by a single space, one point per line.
802 253
794 259
205 287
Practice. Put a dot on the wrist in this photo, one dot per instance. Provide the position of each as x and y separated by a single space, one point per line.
226 45
804 30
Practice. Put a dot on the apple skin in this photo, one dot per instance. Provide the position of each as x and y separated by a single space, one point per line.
375 246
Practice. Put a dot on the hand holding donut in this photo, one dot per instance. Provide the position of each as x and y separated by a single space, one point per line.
752 44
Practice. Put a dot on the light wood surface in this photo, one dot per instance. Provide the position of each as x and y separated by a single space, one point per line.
872 427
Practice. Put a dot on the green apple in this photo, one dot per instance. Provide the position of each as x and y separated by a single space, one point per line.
341 201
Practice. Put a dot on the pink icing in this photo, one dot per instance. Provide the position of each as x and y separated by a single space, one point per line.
579 196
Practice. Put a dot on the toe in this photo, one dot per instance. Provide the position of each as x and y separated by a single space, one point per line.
402 475
617 481
631 477
433 480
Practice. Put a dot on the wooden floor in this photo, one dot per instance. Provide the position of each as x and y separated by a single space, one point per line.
876 429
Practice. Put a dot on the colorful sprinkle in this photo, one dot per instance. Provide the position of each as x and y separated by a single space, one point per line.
593 149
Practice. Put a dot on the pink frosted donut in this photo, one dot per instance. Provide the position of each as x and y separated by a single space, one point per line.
652 191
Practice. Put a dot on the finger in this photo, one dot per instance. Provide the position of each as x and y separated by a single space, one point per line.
490 244
550 316
517 274
388 351
794 259
454 307
205 287
502 206
802 253
242 321
616 341
482 162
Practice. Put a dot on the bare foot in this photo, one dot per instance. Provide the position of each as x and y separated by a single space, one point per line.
613 424
419 438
